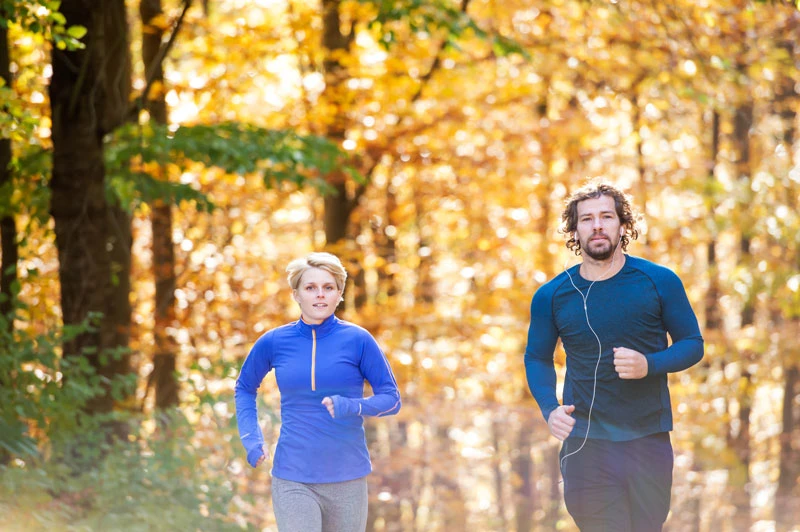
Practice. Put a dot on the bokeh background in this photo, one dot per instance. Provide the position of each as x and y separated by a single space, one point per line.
161 162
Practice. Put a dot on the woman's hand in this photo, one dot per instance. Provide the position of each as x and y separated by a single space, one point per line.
328 402
263 456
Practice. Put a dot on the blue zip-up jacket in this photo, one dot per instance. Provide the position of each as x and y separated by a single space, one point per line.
311 362
636 308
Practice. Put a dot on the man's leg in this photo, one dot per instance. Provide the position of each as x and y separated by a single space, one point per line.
594 488
650 461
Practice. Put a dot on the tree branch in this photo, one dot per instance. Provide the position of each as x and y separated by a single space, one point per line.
138 103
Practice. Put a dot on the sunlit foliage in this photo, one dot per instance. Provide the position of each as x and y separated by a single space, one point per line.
466 124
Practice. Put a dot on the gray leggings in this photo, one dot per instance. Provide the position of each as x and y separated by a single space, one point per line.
333 507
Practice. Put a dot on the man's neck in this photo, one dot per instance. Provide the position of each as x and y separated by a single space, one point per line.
597 270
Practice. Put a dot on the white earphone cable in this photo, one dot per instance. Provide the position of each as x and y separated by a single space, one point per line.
585 298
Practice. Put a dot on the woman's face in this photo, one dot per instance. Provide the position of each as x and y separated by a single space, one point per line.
317 295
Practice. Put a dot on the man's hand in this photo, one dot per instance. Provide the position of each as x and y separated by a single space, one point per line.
561 422
629 364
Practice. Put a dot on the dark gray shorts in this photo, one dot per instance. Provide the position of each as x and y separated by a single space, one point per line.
328 507
622 486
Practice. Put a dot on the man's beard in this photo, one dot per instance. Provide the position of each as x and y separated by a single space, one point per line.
600 254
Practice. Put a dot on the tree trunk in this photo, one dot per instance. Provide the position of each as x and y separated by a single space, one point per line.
641 168
553 504
740 443
338 206
425 289
743 123
448 493
787 506
8 225
522 469
498 476
385 236
89 93
712 309
164 378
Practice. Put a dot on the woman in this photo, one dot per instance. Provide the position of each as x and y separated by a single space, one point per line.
321 362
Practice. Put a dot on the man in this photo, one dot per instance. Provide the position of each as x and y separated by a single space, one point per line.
613 313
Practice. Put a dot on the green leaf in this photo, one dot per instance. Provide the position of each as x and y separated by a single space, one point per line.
77 32
237 148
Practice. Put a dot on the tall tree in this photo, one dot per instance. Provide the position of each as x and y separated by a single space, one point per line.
8 225
739 434
163 377
787 506
336 43
89 93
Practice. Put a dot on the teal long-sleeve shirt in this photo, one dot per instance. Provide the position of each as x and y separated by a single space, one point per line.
311 362
637 308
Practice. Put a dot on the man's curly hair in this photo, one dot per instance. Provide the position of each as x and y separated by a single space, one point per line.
627 215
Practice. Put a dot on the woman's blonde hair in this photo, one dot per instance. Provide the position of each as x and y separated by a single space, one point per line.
324 261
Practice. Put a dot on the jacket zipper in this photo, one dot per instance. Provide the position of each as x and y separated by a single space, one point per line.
313 360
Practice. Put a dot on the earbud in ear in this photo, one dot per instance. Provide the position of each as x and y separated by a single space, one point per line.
622 231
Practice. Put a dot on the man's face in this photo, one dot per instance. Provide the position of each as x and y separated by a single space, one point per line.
599 229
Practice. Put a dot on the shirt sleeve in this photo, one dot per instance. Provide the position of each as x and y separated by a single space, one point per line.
680 322
542 339
257 364
375 368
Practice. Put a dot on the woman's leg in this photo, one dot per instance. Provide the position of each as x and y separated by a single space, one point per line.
297 507
344 505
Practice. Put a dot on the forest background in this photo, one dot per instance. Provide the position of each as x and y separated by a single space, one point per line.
161 162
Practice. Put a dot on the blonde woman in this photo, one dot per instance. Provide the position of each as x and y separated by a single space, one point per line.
320 362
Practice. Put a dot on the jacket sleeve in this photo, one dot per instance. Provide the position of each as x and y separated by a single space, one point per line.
539 366
255 367
680 322
375 368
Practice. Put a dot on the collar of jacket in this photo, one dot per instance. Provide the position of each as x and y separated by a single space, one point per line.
322 329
